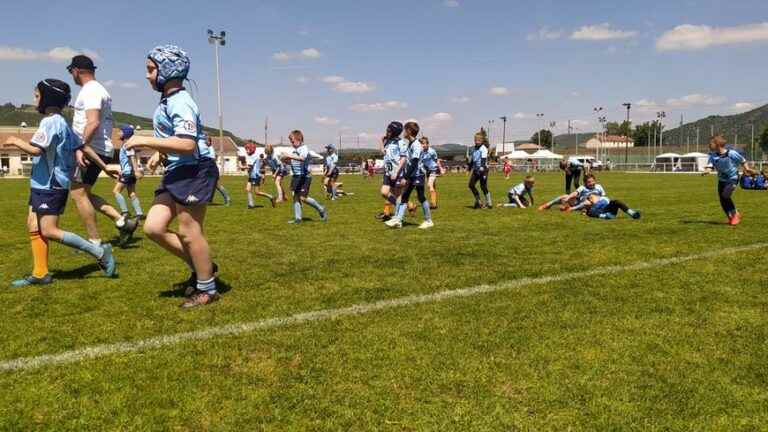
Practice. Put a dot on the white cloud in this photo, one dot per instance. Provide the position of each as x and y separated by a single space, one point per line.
58 54
354 87
545 33
521 116
333 79
308 53
743 106
579 123
499 91
695 100
109 83
379 106
121 84
575 94
460 99
304 32
451 3
698 37
601 32
302 80
441 117
327 121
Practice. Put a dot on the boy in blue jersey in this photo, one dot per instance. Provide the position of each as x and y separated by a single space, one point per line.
53 149
190 176
219 187
253 164
602 207
414 176
521 195
301 178
129 174
331 171
726 162
590 187
279 171
395 155
433 168
478 165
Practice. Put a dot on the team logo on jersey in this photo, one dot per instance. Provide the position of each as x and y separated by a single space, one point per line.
43 206
40 137
189 126
191 199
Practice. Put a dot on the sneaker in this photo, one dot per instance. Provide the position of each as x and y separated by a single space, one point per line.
251 207
273 201
735 219
380 216
107 261
324 216
200 298
636 215
477 205
426 225
31 280
141 217
126 231
394 223
294 221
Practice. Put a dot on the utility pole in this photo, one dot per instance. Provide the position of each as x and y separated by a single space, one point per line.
552 126
218 40
661 115
697 139
753 141
628 106
266 129
503 133
540 116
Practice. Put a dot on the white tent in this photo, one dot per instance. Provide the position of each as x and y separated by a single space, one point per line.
516 155
545 154
694 161
668 162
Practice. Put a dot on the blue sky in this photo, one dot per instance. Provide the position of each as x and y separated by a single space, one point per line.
349 67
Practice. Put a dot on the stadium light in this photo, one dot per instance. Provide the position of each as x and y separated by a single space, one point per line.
628 106
218 40
661 115
504 133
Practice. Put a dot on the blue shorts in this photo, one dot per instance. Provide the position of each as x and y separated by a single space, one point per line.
256 181
282 172
417 181
388 181
300 185
48 202
127 179
191 185
333 174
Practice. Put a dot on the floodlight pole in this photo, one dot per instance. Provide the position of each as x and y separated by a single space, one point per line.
503 133
629 131
218 40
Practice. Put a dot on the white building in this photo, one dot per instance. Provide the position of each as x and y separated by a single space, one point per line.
601 141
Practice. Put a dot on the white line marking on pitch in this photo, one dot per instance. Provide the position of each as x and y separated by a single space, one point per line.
26 363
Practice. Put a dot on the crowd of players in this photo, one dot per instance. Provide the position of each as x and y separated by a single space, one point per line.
69 159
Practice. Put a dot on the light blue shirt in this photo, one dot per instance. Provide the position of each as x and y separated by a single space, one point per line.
254 165
393 151
126 168
583 192
53 168
575 163
429 159
300 168
414 165
727 165
479 157
178 115
331 161
275 164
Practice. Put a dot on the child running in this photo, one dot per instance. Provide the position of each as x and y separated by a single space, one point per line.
433 167
279 171
190 176
395 154
253 163
726 162
414 175
53 149
478 164
517 194
331 173
129 174
301 179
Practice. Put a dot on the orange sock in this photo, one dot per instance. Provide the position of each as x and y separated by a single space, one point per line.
388 209
433 198
39 254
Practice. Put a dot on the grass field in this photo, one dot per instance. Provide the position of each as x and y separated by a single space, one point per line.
681 346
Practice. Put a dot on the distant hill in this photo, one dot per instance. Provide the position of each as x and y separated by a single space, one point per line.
730 126
11 115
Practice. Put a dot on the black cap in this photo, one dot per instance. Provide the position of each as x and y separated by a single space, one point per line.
81 62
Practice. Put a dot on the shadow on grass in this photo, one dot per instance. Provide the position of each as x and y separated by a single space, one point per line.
702 222
180 292
77 273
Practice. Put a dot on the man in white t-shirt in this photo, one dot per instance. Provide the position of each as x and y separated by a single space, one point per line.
92 122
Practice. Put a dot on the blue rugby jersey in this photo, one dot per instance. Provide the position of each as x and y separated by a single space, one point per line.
178 115
727 165
53 168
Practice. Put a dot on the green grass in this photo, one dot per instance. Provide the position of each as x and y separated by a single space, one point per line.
681 347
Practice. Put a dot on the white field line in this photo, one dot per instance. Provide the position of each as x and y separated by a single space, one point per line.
96 351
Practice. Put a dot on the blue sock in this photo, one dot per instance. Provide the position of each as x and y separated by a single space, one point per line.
427 211
250 199
631 212
137 206
121 203
401 208
223 191
297 211
510 205
315 205
207 286
607 216
488 199
553 202
392 200
333 191
75 241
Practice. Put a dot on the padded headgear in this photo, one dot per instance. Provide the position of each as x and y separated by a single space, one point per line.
172 63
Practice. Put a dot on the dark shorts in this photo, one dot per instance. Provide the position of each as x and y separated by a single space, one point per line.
191 185
48 202
127 180
256 181
282 172
388 181
479 175
300 185
333 174
89 175
511 197
431 173
417 181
